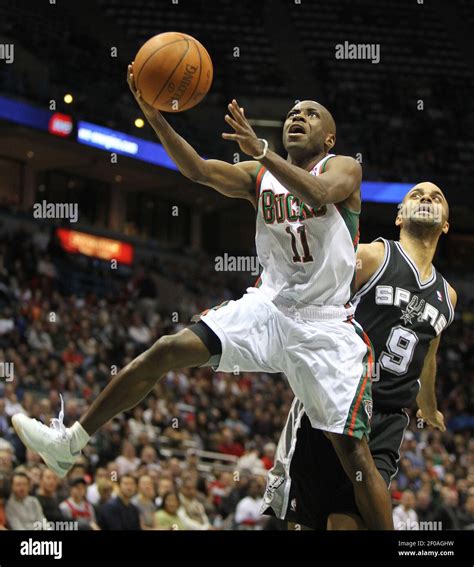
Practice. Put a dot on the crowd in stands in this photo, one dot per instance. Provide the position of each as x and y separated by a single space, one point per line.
194 454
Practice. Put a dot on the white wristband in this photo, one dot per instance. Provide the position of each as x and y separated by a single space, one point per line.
265 149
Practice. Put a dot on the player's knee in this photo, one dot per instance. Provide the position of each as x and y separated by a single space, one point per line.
158 359
344 522
356 454
362 464
165 352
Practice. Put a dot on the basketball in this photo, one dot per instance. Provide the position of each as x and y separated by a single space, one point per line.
173 72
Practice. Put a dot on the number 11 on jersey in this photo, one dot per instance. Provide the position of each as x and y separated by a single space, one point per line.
301 232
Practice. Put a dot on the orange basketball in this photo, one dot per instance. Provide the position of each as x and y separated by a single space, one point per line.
173 71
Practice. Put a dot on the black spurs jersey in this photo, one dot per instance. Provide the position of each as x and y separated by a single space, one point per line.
401 315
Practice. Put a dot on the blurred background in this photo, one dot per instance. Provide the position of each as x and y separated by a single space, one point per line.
198 448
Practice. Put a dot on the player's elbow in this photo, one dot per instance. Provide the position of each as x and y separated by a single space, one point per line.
197 177
198 172
316 199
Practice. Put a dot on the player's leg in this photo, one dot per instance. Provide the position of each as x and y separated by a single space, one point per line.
337 399
371 494
386 436
305 476
229 325
59 446
134 382
345 522
293 527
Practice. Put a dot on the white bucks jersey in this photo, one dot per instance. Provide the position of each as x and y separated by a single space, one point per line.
307 254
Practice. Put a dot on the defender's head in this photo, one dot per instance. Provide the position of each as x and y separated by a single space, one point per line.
424 208
309 128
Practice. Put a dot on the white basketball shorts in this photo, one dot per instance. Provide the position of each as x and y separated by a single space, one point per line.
327 362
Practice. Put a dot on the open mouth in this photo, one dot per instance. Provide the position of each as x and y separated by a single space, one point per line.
296 129
425 209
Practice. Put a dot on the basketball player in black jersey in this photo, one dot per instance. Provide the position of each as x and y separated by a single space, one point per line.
403 304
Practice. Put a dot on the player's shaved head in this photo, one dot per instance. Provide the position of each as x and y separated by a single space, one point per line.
424 210
326 117
308 131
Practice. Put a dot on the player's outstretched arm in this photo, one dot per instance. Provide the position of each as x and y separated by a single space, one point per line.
426 399
230 180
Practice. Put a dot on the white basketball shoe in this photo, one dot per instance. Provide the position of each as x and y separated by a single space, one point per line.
52 443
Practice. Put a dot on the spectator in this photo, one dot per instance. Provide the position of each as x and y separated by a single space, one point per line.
105 489
23 511
425 508
34 473
149 458
192 511
138 331
128 461
165 485
12 405
268 455
404 515
92 490
78 470
192 460
229 445
138 426
447 512
6 457
220 487
4 425
467 514
119 513
229 503
38 338
76 508
3 497
247 513
167 518
47 495
251 461
144 500
175 468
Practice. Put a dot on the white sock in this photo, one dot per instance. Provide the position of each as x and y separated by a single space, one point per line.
79 437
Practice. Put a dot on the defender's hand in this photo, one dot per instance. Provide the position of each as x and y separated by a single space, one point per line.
244 134
435 419
148 110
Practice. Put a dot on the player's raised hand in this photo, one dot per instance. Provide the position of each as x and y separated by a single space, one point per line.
148 110
435 419
243 132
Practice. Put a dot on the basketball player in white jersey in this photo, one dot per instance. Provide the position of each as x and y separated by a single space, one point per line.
297 321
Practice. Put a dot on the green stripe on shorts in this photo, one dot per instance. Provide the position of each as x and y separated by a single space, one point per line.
360 413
